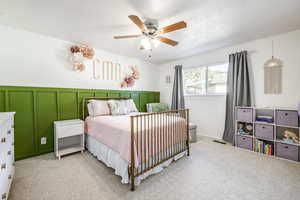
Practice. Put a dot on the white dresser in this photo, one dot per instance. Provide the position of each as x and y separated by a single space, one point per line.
69 137
6 153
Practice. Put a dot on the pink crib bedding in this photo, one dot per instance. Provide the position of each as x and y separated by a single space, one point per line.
115 132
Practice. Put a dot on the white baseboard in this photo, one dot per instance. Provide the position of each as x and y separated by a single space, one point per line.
208 136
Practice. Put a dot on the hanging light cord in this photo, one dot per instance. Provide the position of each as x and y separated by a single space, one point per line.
272 48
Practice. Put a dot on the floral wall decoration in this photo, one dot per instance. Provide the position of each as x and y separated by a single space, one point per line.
103 69
79 55
129 79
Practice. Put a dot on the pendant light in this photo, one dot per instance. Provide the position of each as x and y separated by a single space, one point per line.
273 62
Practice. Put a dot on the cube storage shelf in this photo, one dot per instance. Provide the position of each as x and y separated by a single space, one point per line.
277 136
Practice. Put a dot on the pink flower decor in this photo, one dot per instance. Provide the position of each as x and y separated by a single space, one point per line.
129 80
79 54
80 67
135 73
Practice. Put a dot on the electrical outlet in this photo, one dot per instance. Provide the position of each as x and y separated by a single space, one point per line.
43 140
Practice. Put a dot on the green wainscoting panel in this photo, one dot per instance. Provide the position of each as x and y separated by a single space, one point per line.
38 107
68 105
136 99
143 102
2 101
156 97
25 137
151 98
100 94
113 94
46 111
125 94
81 95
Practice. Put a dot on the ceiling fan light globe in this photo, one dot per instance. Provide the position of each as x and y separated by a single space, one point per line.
146 43
156 43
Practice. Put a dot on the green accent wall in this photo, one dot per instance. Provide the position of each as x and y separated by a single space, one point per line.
37 107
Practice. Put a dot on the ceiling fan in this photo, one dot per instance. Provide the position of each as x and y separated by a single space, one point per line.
151 34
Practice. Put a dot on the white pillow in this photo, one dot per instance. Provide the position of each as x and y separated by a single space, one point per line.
99 107
118 107
90 109
131 106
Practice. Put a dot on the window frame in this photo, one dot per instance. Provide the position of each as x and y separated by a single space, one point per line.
206 82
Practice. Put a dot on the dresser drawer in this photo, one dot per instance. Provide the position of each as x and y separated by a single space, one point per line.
287 118
3 161
4 130
244 114
287 151
6 153
70 130
264 131
244 142
4 144
4 182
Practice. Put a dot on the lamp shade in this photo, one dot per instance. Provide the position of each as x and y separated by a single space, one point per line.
273 62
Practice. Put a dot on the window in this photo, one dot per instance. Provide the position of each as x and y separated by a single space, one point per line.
206 80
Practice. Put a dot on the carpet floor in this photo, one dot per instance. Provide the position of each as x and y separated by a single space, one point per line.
212 172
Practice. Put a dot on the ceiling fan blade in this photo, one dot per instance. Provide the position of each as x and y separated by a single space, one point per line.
135 19
167 41
174 27
126 36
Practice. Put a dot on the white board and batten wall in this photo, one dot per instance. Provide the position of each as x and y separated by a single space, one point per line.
208 112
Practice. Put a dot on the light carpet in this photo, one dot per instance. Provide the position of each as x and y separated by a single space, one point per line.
212 172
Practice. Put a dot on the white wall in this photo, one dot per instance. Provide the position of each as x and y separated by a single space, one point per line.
209 112
30 59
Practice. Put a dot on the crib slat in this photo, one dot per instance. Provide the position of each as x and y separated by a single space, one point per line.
158 137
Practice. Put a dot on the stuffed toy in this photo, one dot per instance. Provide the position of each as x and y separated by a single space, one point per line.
290 136
249 128
241 130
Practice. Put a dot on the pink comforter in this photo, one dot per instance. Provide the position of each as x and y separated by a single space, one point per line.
115 132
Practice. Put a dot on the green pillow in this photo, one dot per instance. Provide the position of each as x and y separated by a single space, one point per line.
157 107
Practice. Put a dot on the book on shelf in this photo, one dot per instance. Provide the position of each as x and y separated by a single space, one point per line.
263 147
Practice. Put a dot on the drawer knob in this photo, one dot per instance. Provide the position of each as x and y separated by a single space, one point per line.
3 196
244 111
9 153
244 138
3 166
286 147
286 114
3 140
9 132
9 177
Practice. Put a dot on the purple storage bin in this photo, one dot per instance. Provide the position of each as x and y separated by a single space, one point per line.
244 114
287 151
244 142
287 118
263 131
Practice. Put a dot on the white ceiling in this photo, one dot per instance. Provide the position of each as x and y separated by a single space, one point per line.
211 23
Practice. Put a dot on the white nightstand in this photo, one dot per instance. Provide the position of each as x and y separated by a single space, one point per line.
69 137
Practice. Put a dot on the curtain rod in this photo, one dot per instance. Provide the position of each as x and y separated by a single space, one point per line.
248 52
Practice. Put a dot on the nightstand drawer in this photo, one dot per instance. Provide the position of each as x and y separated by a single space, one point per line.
71 130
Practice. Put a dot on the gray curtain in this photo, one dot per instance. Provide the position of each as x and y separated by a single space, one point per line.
239 91
177 95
